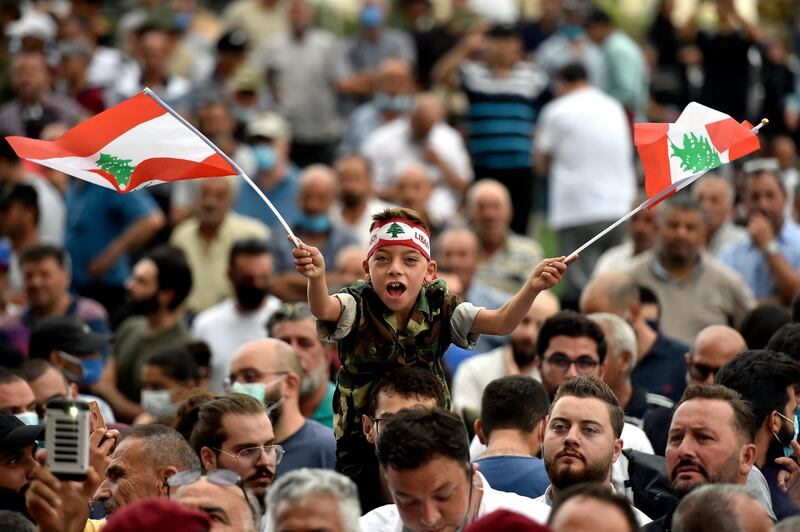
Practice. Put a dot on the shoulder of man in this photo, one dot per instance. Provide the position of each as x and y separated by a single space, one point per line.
382 519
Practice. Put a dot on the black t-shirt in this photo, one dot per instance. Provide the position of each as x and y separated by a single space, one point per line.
726 70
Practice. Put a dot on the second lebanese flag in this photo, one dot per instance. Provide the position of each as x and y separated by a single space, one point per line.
674 155
131 145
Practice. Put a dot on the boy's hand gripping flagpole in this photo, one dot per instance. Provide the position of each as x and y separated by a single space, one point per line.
230 161
677 185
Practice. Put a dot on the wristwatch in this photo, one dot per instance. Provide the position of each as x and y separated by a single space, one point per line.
772 248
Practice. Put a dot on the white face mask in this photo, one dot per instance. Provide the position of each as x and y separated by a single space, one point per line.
158 403
29 418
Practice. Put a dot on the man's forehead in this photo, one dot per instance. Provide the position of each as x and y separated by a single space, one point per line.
580 345
582 409
391 402
700 412
202 492
247 428
305 328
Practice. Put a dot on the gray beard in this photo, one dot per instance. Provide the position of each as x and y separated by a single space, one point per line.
311 383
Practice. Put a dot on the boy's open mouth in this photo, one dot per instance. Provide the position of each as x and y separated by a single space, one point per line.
395 289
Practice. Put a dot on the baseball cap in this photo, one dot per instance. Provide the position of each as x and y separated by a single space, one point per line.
65 333
14 434
157 514
503 30
268 125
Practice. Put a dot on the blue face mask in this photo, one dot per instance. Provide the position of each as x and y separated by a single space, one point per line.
788 451
182 20
256 390
571 32
371 16
399 103
314 224
29 418
265 157
91 369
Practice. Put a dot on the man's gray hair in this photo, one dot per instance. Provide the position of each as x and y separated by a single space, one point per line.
619 335
303 484
790 524
711 507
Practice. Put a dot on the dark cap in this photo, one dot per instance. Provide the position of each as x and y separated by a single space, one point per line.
15 435
19 193
233 41
503 31
65 333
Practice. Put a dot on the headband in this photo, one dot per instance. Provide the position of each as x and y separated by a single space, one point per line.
399 232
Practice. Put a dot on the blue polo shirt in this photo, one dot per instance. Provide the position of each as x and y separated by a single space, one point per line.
95 217
749 261
523 475
663 370
283 196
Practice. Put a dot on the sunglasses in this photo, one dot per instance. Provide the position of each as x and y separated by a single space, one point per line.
701 372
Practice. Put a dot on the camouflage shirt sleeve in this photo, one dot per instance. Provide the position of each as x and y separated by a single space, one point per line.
329 331
461 323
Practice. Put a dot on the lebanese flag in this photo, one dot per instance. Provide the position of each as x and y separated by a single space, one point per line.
132 145
675 155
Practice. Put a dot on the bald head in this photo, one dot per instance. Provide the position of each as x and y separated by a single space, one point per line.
413 188
458 251
714 347
268 355
396 77
489 210
545 305
428 111
612 292
716 197
317 190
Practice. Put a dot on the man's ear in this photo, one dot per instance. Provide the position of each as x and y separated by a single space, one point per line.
165 474
773 421
543 429
293 382
366 428
747 457
627 361
617 450
634 312
55 359
208 458
479 431
535 442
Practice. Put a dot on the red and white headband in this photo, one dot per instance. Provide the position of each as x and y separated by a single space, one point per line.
399 232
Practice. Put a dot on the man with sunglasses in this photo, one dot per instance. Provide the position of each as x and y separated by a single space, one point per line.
270 371
424 455
713 347
220 494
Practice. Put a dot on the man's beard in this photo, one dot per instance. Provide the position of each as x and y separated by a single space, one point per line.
109 506
310 382
728 474
564 476
350 200
524 353
143 307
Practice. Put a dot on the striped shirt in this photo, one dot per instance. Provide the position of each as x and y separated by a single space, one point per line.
502 113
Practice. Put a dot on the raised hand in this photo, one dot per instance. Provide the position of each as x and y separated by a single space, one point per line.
548 273
308 261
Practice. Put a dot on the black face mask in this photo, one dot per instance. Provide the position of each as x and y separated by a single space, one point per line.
249 296
523 359
144 307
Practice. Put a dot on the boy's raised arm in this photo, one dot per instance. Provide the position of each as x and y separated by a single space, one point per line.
505 319
309 261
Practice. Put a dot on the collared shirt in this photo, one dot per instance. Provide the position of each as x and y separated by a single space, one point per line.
547 499
641 402
627 78
324 412
209 259
712 294
476 372
728 233
360 228
509 268
387 518
338 238
308 98
283 194
369 342
614 258
749 260
662 370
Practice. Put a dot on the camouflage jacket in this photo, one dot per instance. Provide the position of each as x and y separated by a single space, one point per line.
369 343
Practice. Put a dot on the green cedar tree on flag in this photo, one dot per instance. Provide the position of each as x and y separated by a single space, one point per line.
675 155
131 145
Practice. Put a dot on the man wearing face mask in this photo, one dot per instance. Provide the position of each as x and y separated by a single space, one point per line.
270 371
157 288
275 175
314 227
16 397
394 98
168 378
242 317
75 352
769 381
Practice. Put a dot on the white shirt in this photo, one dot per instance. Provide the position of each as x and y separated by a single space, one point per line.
587 136
360 228
632 438
641 517
387 518
614 258
476 372
225 330
391 149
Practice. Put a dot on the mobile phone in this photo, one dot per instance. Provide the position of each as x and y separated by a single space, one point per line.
67 438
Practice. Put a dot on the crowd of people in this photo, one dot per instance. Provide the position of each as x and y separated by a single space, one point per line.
414 363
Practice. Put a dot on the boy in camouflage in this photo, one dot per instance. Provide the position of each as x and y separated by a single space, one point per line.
401 316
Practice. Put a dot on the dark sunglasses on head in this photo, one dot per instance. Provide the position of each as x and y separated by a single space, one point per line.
220 477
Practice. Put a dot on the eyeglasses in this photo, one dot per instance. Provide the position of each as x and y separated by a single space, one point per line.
701 372
220 477
584 365
250 375
247 458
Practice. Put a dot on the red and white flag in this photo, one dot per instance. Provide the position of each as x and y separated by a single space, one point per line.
675 155
135 144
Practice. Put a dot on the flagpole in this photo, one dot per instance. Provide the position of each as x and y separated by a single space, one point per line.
230 161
